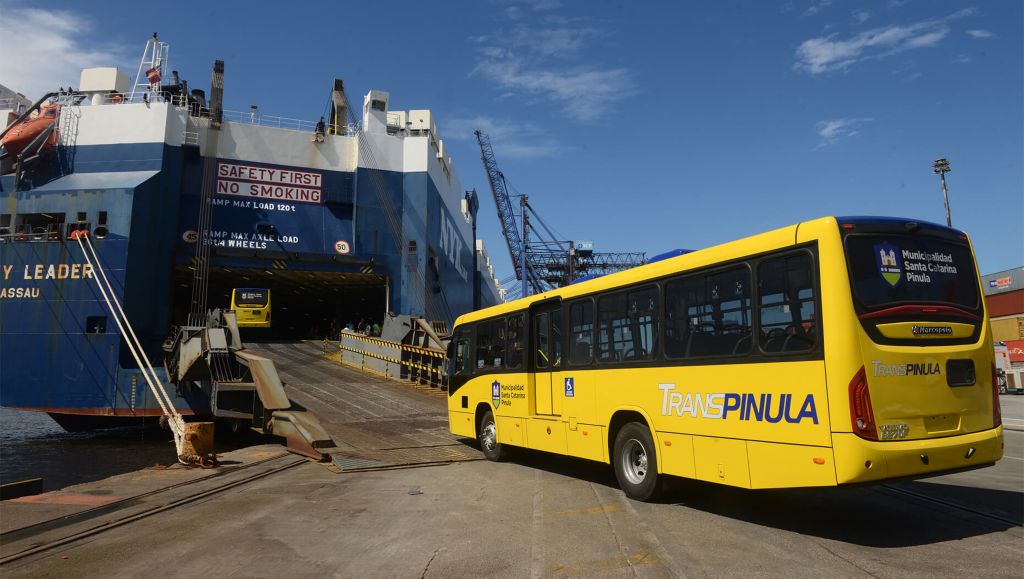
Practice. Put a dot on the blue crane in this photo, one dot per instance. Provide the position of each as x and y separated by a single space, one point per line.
547 262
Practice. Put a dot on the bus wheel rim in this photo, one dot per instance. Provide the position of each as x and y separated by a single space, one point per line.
634 461
490 436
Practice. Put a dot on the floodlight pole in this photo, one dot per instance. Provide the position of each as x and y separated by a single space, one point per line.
941 166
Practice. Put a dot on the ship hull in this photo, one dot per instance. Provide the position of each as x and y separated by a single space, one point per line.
336 234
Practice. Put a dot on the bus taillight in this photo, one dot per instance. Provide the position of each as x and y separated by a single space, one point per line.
997 412
861 415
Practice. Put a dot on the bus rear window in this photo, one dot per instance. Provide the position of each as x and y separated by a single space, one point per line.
251 298
893 269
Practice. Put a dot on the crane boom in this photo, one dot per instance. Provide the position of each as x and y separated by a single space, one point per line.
541 264
502 201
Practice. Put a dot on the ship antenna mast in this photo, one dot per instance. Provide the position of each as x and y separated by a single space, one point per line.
151 66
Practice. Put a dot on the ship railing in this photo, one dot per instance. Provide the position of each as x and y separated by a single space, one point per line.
49 232
395 121
242 117
116 98
260 119
29 232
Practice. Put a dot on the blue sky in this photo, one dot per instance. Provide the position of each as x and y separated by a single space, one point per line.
640 126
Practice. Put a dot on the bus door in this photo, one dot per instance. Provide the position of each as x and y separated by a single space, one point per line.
546 354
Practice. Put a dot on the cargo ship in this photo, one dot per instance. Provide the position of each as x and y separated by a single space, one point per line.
355 217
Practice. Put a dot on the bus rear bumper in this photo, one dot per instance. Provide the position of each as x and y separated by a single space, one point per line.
859 460
253 324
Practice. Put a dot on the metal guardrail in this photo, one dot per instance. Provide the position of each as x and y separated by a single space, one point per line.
241 117
257 118
392 360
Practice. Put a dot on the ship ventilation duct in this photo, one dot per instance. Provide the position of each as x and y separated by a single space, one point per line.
339 109
217 94
199 95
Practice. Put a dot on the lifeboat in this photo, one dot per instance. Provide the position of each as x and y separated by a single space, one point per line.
23 133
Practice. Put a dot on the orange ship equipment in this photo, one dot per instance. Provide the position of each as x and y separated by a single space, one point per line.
23 133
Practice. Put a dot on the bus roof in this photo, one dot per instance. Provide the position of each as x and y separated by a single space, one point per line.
737 249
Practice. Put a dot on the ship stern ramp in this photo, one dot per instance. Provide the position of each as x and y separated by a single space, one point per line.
374 422
244 387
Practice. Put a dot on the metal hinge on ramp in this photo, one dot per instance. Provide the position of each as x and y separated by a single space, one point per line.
303 432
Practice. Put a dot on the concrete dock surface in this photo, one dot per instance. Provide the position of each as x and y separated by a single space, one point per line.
409 510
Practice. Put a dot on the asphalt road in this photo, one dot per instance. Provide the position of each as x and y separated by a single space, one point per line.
537 515
1013 410
540 515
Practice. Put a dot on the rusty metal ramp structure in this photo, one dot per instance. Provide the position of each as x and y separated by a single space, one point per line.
375 423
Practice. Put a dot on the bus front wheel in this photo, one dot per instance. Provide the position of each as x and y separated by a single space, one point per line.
488 437
636 465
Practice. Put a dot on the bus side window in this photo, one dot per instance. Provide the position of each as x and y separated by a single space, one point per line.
556 338
497 356
484 357
708 315
735 326
514 344
581 332
787 304
614 334
459 354
643 312
540 340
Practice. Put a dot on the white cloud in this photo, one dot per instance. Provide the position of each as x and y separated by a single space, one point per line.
42 50
516 9
831 53
511 139
980 33
546 60
963 59
583 93
861 16
817 6
564 41
833 130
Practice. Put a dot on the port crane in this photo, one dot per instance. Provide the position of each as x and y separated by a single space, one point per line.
545 262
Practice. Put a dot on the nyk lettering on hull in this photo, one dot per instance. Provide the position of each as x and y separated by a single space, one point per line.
749 406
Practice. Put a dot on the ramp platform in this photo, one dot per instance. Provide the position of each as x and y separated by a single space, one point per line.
375 423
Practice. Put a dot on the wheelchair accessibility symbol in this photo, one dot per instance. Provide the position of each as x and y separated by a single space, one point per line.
570 388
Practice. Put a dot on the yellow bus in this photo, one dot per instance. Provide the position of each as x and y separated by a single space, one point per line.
835 351
251 306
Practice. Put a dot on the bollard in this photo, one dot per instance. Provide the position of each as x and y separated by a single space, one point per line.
198 439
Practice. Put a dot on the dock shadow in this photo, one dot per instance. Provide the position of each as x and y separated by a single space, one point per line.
871 516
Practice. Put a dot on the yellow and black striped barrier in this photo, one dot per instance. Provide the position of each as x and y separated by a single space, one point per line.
432 372
403 347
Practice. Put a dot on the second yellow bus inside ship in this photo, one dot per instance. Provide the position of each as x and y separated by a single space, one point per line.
251 306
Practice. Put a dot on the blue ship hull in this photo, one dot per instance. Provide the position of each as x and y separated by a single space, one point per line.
322 234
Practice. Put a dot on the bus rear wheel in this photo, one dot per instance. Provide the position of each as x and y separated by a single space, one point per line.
487 435
635 462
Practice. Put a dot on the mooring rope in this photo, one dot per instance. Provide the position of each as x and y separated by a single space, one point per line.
174 418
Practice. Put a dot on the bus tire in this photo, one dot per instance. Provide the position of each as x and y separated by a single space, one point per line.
487 435
635 462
